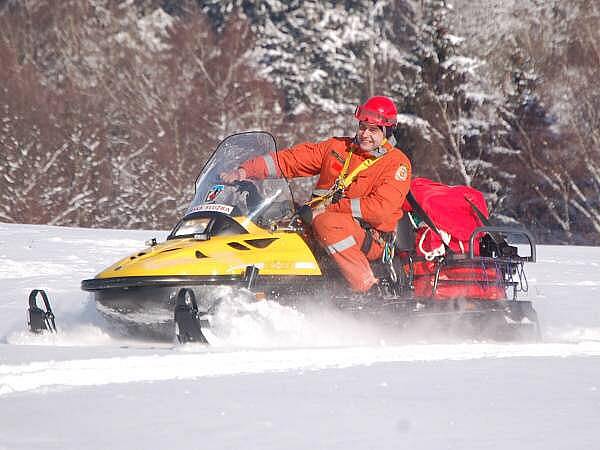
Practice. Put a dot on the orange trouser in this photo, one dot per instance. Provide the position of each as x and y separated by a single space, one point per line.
342 236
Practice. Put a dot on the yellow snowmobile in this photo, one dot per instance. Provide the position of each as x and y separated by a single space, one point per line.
247 235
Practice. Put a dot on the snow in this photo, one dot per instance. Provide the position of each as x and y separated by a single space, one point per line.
285 379
151 29
462 62
454 40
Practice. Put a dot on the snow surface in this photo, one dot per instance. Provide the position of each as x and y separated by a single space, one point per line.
284 379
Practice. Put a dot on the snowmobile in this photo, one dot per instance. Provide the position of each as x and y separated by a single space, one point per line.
247 237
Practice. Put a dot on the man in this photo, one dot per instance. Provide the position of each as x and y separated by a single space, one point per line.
362 184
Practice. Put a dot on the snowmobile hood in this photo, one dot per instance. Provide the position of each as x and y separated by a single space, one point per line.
278 253
226 228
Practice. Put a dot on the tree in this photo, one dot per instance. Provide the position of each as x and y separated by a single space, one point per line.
530 133
327 56
50 173
125 105
448 120
558 145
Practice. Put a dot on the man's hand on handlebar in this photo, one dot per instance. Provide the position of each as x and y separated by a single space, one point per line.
234 175
308 212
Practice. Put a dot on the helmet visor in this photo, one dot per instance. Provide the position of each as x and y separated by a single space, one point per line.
373 117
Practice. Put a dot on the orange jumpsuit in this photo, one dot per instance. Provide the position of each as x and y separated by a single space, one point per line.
375 196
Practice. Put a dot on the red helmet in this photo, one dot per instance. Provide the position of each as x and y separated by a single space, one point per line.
378 110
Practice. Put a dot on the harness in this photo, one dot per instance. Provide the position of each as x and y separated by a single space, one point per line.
342 182
336 191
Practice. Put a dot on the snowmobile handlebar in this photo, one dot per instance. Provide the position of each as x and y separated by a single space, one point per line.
496 230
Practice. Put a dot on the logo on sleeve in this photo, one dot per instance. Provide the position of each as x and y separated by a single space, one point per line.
401 173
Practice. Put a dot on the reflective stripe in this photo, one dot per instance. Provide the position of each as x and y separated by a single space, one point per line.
342 245
320 192
355 207
271 168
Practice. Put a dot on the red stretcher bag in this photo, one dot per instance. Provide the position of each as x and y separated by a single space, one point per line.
449 209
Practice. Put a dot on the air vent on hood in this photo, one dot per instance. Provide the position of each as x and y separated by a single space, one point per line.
137 256
260 243
200 255
237 246
170 250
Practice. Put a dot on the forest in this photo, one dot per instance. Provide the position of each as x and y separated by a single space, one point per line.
109 108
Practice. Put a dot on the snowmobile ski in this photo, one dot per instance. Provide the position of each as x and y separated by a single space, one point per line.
40 320
188 325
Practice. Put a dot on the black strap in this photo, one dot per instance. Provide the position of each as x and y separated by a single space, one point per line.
423 215
484 220
367 243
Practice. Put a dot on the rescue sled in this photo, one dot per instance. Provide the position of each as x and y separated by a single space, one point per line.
245 237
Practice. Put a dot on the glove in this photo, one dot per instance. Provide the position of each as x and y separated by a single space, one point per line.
234 175
305 213
308 213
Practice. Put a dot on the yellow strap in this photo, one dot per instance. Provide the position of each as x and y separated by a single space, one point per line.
340 180
344 181
346 165
362 166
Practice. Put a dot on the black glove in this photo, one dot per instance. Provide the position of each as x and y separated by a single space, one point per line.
305 213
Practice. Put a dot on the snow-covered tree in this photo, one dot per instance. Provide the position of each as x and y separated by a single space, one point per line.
552 121
127 89
328 56
530 139
50 172
448 121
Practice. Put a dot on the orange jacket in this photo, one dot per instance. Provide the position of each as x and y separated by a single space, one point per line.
377 193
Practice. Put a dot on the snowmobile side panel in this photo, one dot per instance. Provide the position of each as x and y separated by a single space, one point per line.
100 284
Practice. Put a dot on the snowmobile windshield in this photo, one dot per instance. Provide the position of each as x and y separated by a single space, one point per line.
261 201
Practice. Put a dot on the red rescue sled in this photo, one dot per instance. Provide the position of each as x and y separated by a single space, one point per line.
453 271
